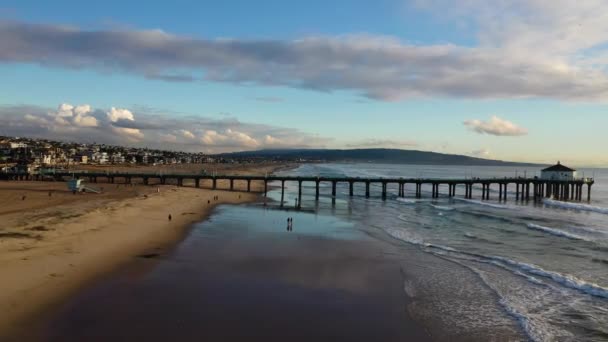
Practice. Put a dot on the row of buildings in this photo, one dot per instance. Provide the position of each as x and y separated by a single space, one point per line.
53 153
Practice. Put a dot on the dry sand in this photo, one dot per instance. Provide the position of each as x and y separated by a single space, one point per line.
53 242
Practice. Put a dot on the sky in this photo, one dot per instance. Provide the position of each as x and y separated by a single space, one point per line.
521 80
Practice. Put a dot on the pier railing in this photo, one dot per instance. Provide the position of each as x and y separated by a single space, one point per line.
525 188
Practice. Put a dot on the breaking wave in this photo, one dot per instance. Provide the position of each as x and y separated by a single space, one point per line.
576 206
566 280
555 232
406 200
486 204
441 207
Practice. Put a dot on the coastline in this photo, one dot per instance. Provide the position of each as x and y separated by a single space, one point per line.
53 243
233 278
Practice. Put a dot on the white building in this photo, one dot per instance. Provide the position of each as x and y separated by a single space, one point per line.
47 159
558 172
103 158
18 145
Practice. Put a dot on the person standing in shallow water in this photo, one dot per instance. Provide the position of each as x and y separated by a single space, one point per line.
289 224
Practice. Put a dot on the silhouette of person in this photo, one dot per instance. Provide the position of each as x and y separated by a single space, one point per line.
169 217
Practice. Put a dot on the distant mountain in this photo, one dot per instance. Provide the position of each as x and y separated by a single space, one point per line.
377 155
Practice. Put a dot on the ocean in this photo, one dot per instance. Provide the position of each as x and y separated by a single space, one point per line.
545 264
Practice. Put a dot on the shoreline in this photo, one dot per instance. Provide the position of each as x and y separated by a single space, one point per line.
50 252
272 284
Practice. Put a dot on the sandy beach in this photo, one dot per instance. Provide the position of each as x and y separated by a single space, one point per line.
234 278
53 242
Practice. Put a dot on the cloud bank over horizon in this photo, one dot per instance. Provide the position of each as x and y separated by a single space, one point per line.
506 62
120 126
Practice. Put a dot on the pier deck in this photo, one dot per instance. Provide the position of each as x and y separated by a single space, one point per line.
525 188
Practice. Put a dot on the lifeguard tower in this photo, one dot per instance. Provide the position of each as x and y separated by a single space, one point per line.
77 185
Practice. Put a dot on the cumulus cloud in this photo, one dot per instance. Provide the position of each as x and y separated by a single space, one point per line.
507 63
121 126
382 143
119 114
187 134
68 115
495 126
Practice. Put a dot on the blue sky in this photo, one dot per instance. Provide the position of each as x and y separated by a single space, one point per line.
448 76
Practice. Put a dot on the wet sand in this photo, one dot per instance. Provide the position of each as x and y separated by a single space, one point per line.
53 243
227 284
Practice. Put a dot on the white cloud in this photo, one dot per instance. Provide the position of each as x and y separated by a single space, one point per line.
269 140
187 134
119 114
496 126
124 127
115 114
481 153
168 138
534 48
229 138
382 143
72 117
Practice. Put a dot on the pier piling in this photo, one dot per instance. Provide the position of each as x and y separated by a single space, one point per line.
333 192
282 192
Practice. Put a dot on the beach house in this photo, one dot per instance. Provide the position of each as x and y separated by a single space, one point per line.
558 172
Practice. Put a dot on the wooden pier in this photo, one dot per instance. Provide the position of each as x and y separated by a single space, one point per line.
525 188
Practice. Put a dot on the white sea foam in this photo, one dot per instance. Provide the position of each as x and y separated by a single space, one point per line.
530 278
576 206
554 231
470 235
563 279
522 320
406 200
441 207
403 235
486 204
443 248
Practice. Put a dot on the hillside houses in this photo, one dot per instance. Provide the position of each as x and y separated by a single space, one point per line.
52 153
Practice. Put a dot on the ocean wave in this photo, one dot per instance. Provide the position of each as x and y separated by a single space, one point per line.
470 236
444 248
576 206
599 260
566 280
405 236
524 321
555 232
406 200
563 279
441 207
497 206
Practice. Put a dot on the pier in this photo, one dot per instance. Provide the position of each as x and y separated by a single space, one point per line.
526 189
